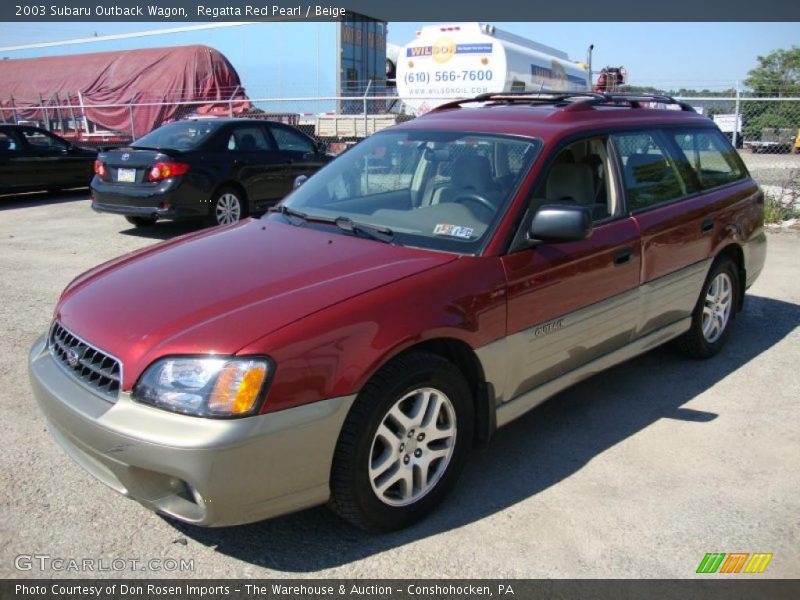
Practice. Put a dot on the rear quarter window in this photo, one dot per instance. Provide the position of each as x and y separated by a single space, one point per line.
710 155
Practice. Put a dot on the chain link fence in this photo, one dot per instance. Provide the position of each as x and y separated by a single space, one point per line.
765 130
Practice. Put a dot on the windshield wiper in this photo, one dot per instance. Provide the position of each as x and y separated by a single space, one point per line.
289 212
381 234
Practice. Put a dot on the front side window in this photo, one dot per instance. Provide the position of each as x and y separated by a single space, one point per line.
581 176
650 175
432 189
711 156
288 140
7 143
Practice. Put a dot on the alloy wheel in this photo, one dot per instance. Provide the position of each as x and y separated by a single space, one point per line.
717 307
228 209
412 447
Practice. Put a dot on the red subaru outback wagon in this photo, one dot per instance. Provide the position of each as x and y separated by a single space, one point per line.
433 283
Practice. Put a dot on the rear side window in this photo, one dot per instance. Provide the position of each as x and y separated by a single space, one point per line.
42 141
650 175
711 156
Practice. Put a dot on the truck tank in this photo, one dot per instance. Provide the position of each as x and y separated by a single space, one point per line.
463 60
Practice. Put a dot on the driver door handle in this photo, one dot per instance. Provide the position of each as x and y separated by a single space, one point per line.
623 256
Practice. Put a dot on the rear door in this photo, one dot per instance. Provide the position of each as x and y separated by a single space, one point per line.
257 165
56 166
570 303
676 219
298 151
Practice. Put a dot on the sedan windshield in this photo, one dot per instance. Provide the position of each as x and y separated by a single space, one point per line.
182 135
439 190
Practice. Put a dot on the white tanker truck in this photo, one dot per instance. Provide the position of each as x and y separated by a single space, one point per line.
463 60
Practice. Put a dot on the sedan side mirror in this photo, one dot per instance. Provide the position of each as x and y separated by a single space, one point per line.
322 148
560 223
299 180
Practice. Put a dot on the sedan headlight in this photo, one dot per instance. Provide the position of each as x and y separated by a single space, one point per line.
205 387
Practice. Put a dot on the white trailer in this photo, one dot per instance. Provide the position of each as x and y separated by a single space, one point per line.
467 59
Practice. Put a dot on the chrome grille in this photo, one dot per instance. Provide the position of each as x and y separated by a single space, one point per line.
93 368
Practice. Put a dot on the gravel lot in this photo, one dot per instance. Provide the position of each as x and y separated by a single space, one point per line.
637 472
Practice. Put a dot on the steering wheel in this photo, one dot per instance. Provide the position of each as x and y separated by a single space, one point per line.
476 198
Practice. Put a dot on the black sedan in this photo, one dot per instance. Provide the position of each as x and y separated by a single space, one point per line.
218 170
34 159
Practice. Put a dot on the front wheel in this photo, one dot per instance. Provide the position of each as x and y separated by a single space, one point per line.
714 313
403 443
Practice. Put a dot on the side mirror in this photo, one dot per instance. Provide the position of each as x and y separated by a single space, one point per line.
560 223
299 180
322 148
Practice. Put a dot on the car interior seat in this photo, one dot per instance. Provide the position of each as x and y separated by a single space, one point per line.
247 142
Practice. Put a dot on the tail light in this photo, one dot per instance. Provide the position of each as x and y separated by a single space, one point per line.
100 169
165 170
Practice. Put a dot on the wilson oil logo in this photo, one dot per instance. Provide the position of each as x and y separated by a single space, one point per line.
736 562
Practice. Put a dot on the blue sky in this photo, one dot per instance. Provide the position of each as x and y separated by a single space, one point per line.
669 55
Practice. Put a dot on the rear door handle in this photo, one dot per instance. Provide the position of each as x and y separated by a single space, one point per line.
623 256
707 225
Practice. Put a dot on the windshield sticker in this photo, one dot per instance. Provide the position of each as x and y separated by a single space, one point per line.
453 230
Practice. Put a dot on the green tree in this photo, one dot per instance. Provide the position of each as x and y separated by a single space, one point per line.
777 74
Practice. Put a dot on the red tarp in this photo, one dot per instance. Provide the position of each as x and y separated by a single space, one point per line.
157 79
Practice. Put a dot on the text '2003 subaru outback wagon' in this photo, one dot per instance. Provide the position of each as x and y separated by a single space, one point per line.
433 283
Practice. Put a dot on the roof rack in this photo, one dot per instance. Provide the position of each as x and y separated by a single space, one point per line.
569 99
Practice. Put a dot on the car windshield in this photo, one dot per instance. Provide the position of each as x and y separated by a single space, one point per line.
183 135
440 190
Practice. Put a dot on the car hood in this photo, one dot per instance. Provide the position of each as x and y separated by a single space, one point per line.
218 290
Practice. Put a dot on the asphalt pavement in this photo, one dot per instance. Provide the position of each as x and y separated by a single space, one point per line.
637 472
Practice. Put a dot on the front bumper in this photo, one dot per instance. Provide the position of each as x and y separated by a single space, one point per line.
209 472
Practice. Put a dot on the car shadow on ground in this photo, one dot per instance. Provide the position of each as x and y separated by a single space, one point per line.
163 230
526 457
31 199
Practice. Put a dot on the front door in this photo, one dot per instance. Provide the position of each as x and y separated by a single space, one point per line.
298 152
570 303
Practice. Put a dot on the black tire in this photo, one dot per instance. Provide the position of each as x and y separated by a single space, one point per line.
352 494
695 343
141 221
217 213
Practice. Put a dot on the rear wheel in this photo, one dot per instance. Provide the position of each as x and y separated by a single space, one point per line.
228 206
714 313
403 443
141 221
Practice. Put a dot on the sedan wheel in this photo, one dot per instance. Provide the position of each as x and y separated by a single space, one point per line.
227 208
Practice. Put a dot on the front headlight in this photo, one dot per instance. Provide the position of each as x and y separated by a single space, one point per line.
204 387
